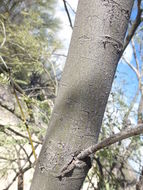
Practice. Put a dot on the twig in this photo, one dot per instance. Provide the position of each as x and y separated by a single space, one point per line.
8 159
56 81
133 68
4 63
134 26
19 134
90 182
135 55
71 7
140 182
69 18
22 147
22 170
125 118
4 33
49 75
17 174
60 54
111 140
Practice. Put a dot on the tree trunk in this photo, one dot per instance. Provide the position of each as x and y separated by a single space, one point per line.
94 52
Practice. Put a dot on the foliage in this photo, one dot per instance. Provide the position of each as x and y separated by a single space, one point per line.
28 40
113 166
29 44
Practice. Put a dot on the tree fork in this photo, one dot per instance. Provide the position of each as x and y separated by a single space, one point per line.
95 49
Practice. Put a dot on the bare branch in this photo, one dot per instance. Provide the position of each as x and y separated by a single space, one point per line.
111 140
133 68
19 134
134 26
60 54
69 18
70 7
140 182
22 147
49 75
2 60
22 170
90 182
4 33
9 159
17 174
56 81
135 55
125 118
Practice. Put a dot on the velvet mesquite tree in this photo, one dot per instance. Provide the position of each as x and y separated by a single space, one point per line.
95 49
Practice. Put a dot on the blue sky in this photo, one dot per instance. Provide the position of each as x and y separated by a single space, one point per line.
124 72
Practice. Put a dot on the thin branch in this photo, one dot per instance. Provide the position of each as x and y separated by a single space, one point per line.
2 60
17 174
134 26
10 110
60 54
70 7
35 88
19 134
22 170
9 159
125 118
49 75
22 147
111 140
140 182
4 33
90 182
135 55
56 81
133 68
69 18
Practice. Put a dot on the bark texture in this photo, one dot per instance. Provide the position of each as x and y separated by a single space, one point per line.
94 52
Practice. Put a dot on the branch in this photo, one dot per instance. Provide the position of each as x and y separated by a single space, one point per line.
135 55
22 147
69 18
111 140
133 68
134 26
21 170
17 174
4 63
90 182
10 110
4 33
8 159
78 161
60 54
19 134
125 118
71 7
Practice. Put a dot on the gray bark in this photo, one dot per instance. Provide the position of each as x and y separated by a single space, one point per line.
94 52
